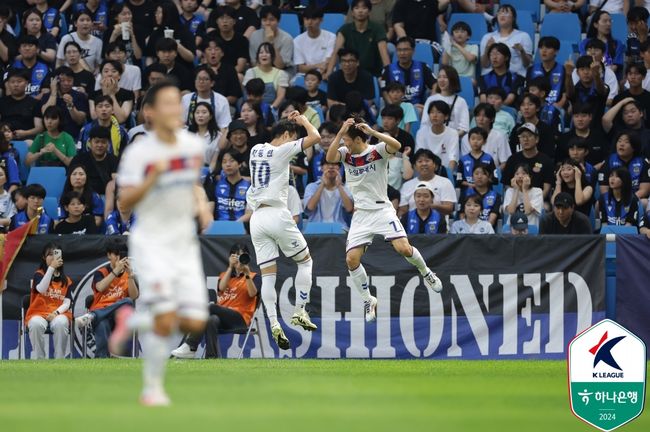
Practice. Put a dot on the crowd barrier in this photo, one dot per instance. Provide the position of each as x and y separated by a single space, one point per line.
505 297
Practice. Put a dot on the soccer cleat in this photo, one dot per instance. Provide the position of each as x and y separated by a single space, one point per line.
279 337
301 318
432 282
84 320
371 309
183 352
155 399
121 332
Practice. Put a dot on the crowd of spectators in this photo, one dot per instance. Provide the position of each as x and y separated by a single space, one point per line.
534 134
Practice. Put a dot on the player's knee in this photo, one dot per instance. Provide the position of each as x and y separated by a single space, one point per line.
352 261
164 324
303 258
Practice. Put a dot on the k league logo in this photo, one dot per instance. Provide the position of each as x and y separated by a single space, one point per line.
607 375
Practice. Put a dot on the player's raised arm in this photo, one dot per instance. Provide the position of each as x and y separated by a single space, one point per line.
313 137
333 155
392 145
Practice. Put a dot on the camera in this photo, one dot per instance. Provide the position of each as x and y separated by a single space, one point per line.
244 258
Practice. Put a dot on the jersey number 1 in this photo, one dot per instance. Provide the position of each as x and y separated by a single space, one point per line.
261 175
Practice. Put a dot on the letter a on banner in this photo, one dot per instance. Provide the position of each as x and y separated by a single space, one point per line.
607 375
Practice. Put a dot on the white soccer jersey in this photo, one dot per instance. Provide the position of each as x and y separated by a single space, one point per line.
167 213
270 174
366 175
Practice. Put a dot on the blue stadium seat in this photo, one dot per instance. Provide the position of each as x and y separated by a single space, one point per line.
525 6
51 206
564 26
323 228
51 178
226 228
289 22
332 22
618 229
526 24
475 21
319 110
424 54
22 148
467 92
619 27
299 81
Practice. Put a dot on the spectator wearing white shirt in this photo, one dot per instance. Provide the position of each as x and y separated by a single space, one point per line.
313 48
327 199
444 194
203 82
472 223
91 46
522 197
497 144
131 78
519 42
440 139
611 6
448 91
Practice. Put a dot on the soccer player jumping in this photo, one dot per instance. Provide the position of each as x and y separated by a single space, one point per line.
366 171
272 226
157 177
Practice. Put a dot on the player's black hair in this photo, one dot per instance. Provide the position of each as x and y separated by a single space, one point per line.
35 190
285 126
255 87
151 94
67 198
393 110
487 110
461 25
477 131
549 42
354 133
440 106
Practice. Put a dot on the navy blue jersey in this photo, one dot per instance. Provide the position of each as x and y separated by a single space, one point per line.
510 82
38 73
637 166
96 207
467 163
434 224
613 212
491 203
555 78
20 219
229 199
51 19
101 15
116 226
10 165
196 25
416 80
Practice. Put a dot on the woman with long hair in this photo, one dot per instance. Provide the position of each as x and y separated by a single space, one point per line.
77 181
619 206
50 304
275 80
600 27
448 89
204 125
570 178
124 30
251 115
33 25
168 20
54 146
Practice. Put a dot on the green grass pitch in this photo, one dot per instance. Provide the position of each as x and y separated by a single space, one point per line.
288 395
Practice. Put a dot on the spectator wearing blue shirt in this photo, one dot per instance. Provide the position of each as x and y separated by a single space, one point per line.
77 181
7 207
192 21
28 50
35 194
619 206
32 22
472 223
627 154
9 165
226 190
104 110
423 219
99 10
477 138
500 75
51 17
120 221
549 69
327 199
482 187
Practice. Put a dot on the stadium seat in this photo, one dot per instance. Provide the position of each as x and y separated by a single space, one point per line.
289 22
22 148
323 228
332 22
619 229
467 92
564 26
525 22
424 54
226 228
51 206
619 27
475 21
525 6
51 178
299 81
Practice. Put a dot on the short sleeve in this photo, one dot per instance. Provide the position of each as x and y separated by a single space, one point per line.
290 149
343 151
283 79
382 150
37 144
645 173
131 170
448 193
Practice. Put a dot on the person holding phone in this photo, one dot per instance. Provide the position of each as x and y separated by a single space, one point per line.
49 304
234 309
114 286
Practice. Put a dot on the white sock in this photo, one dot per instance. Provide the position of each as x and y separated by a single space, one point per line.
155 356
360 282
141 321
303 283
417 260
270 297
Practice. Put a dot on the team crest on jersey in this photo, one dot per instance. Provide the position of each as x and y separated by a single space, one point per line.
556 79
636 169
489 200
40 74
416 75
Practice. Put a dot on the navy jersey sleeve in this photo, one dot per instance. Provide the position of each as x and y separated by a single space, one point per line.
603 174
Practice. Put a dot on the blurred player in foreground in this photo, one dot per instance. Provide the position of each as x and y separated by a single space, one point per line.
157 178
366 172
272 226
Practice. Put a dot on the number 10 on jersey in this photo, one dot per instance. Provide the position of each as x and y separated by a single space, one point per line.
261 174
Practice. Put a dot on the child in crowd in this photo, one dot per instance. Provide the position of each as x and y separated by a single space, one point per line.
394 94
472 223
522 197
503 121
482 187
77 222
578 151
496 145
35 194
19 199
457 52
549 113
255 94
465 174
315 96
437 136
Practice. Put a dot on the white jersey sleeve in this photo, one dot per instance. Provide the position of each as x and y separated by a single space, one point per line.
131 171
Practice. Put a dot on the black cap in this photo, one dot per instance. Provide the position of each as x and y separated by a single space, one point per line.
519 221
100 132
564 200
237 125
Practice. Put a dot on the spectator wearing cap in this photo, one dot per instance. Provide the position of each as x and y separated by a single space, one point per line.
238 136
8 46
91 46
100 165
270 32
472 222
168 26
364 36
226 80
73 103
244 19
518 224
166 53
104 117
327 199
596 49
204 80
223 25
565 219
226 189
444 195
540 165
582 128
28 50
424 218
529 109
313 48
20 111
590 87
